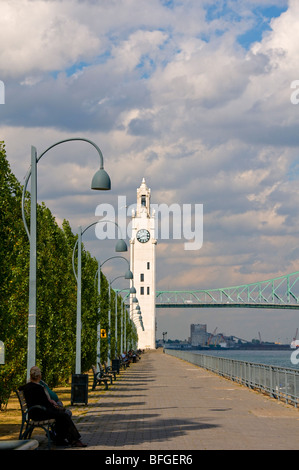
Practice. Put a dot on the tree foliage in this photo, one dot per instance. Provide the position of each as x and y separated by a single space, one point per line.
14 259
56 293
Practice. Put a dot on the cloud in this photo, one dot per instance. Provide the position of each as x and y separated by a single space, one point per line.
170 91
42 36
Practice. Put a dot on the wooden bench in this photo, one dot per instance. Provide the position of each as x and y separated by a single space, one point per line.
105 373
124 363
108 370
99 379
29 424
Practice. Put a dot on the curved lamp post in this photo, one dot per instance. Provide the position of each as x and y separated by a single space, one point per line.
100 181
138 315
120 246
133 303
135 317
132 290
134 325
128 275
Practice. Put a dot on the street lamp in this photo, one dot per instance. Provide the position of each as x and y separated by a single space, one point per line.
120 246
128 275
100 181
132 290
135 305
139 316
133 322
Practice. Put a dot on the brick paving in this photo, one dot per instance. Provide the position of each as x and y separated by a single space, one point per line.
164 403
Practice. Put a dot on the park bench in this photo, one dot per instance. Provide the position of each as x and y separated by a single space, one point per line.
29 424
134 356
105 373
99 378
109 370
123 364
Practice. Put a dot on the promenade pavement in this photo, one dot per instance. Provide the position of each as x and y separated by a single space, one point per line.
165 403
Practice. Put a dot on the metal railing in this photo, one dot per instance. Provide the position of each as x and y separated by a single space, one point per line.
278 382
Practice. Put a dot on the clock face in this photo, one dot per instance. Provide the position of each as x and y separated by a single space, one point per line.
143 235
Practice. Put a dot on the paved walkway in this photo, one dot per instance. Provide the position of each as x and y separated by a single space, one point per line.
164 403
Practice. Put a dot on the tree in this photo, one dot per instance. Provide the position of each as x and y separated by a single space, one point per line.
56 293
14 259
56 300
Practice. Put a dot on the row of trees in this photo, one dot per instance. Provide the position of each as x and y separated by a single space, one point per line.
56 294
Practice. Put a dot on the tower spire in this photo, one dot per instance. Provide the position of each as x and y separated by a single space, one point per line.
143 200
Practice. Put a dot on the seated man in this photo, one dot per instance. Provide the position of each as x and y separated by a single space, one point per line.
35 395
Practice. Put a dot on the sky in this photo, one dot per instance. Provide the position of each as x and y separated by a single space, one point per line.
197 97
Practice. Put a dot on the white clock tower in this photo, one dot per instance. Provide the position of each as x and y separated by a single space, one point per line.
143 266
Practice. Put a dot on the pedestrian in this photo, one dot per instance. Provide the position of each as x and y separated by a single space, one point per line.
35 394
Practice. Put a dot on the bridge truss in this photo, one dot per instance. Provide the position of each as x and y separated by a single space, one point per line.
280 293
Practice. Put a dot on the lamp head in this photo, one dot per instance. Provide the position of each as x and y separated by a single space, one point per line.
101 180
129 275
121 246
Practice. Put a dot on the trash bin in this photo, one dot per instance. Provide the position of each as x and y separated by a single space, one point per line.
79 392
116 365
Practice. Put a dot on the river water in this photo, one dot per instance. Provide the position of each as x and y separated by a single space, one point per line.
281 358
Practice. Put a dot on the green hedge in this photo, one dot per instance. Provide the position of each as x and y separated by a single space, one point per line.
56 294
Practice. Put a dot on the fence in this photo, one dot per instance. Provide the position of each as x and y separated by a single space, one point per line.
278 382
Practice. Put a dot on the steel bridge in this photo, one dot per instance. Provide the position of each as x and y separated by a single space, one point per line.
278 293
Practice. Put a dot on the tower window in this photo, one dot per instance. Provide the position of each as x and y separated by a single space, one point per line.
148 265
141 290
147 290
141 277
143 200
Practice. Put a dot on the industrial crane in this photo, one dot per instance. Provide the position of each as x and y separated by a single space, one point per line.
212 336
295 342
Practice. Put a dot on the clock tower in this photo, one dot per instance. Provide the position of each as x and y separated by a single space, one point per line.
143 266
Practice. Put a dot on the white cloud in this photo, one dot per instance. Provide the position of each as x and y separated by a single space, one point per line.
170 96
140 45
42 36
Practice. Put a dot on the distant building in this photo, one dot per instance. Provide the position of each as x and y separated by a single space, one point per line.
199 335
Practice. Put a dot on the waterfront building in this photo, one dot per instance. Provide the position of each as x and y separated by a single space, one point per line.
199 335
143 266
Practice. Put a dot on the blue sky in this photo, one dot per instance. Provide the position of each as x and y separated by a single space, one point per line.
259 23
263 17
193 96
